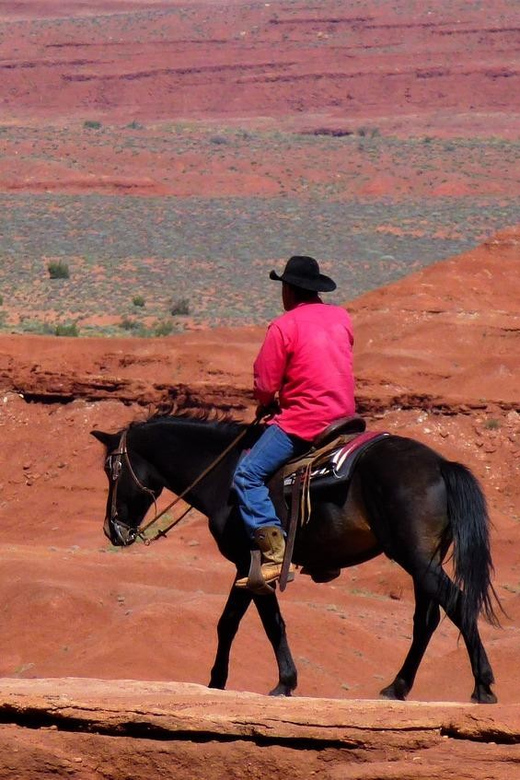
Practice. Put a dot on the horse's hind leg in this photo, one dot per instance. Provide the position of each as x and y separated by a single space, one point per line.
274 626
235 609
438 586
425 621
451 601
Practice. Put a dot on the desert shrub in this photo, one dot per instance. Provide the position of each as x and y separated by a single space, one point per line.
64 329
162 328
92 124
39 327
135 125
1 300
218 140
329 132
138 300
128 324
180 307
492 424
58 269
365 132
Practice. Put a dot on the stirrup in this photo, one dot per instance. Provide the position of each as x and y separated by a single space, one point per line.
255 578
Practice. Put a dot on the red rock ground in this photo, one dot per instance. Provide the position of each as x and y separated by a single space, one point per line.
436 358
191 733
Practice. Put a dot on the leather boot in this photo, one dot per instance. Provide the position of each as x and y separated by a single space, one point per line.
271 543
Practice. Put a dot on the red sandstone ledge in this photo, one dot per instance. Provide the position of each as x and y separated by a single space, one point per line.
123 728
114 705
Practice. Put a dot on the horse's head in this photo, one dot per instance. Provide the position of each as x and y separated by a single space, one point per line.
133 486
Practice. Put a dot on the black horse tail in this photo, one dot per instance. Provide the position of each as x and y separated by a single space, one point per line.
473 566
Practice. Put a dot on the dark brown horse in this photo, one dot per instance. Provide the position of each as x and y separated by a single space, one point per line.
404 500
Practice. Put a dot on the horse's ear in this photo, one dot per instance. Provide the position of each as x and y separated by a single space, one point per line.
107 439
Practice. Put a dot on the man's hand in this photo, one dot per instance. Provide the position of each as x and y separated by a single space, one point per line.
268 410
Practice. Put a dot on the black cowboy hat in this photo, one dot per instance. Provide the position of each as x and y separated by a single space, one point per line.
304 272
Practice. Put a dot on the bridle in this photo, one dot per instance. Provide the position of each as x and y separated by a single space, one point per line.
114 466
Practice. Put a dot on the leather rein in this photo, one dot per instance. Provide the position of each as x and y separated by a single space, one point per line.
115 462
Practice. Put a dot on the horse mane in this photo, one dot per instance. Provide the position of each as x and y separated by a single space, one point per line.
196 414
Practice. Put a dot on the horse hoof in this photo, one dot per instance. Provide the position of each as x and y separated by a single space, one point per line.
217 685
483 695
281 690
395 691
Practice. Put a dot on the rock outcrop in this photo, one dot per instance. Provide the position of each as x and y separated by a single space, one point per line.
123 728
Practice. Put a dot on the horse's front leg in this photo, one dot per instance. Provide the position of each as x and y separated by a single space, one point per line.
235 609
274 625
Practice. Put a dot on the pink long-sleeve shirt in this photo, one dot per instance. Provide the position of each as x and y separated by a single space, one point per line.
306 358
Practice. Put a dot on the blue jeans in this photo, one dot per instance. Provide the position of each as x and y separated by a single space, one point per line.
272 450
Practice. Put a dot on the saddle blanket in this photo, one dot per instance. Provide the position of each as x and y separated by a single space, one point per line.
337 464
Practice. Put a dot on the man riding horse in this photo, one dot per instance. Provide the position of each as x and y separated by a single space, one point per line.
405 500
303 378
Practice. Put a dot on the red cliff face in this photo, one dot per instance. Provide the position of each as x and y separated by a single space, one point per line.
447 333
